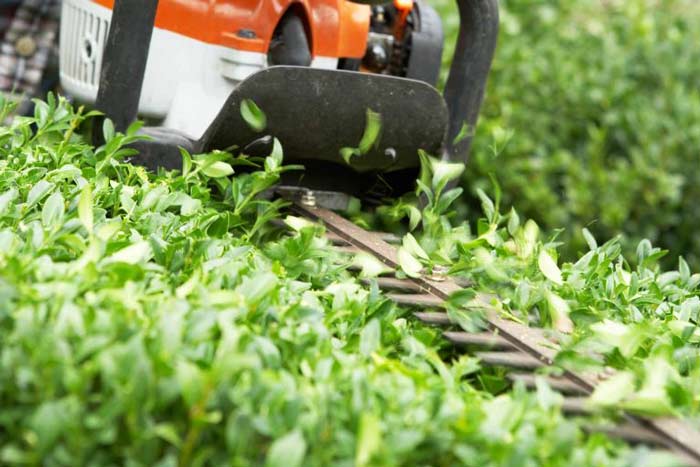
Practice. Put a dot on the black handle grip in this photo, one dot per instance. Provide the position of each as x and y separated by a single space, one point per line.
464 91
124 63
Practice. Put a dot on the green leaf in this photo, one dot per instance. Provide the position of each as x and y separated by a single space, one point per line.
425 168
370 338
274 160
528 241
410 244
487 205
38 191
217 169
414 216
644 249
546 397
652 398
191 379
613 390
12 454
369 439
107 230
66 172
410 265
369 265
590 239
6 199
683 269
133 254
53 211
462 297
559 311
497 192
277 152
626 338
186 162
253 116
464 132
189 206
257 287
298 223
513 222
49 421
445 172
168 432
108 130
370 137
447 198
288 451
549 267
347 153
85 212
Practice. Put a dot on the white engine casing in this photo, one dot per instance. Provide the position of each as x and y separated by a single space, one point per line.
186 81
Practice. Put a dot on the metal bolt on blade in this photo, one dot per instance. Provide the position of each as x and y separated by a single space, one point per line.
439 273
308 199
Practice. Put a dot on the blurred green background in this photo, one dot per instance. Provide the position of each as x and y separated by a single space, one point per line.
592 119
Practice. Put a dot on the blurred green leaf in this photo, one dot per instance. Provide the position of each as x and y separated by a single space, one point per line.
370 338
287 451
549 267
85 212
217 169
409 264
53 211
369 439
253 116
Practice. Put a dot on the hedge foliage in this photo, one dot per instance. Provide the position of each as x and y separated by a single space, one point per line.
162 320
593 119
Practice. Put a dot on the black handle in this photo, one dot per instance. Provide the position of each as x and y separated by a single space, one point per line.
464 91
124 63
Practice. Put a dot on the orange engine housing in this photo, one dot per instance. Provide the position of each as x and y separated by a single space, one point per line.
201 50
336 28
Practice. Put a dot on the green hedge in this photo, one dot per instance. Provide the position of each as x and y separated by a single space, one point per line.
162 320
592 118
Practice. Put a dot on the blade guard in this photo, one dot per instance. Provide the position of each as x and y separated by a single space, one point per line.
316 113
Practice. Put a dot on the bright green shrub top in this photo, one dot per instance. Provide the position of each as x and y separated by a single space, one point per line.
593 119
160 320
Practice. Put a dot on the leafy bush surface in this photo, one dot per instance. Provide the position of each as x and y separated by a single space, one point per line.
161 320
635 323
164 320
593 119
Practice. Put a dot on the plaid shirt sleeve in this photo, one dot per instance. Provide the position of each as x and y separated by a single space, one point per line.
28 43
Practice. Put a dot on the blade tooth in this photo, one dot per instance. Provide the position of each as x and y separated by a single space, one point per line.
279 223
510 359
630 432
463 282
336 239
484 339
562 385
392 283
575 406
434 318
388 237
417 299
